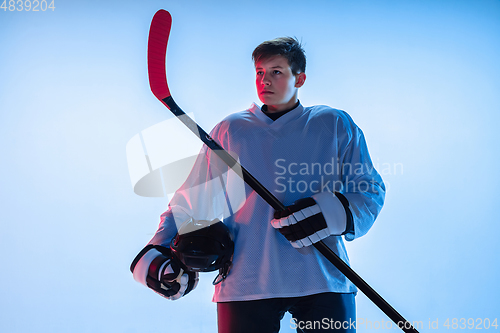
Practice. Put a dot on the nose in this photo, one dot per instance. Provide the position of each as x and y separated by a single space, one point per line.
265 80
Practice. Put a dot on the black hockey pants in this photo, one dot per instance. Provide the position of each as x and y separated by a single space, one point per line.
326 312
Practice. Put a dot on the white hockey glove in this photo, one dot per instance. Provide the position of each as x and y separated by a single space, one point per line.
156 268
312 219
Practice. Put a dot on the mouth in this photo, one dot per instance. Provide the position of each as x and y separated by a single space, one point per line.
266 92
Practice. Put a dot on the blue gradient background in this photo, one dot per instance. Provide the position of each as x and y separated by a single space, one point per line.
421 78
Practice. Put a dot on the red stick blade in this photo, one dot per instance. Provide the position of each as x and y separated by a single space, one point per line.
157 51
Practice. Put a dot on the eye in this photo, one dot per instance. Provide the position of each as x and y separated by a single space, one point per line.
260 72
276 71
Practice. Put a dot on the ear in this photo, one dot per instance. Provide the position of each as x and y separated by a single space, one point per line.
300 79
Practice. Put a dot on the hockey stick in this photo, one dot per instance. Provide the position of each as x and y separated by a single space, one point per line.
157 49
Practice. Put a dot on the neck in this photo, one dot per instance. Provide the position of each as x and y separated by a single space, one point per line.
277 114
282 107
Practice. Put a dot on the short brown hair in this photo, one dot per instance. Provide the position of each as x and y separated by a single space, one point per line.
287 47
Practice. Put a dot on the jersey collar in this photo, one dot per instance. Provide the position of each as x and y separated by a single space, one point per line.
284 119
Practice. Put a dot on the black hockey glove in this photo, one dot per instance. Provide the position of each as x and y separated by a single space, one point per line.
156 268
312 219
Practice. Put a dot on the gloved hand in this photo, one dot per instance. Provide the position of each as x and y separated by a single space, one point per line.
304 223
156 268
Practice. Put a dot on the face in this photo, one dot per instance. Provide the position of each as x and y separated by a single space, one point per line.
277 86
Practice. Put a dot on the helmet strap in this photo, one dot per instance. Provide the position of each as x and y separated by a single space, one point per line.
223 272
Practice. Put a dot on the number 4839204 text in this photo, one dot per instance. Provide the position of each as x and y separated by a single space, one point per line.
27 5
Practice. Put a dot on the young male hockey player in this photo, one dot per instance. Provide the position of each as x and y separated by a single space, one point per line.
313 159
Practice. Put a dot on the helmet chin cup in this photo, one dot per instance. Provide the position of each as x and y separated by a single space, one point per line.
204 246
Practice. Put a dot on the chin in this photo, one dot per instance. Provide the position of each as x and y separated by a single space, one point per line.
268 101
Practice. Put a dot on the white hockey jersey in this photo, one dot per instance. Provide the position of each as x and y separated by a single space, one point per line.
306 151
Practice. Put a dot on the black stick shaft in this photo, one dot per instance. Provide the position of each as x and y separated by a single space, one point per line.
223 154
277 205
397 318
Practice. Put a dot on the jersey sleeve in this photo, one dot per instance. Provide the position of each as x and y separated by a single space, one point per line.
201 197
363 186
